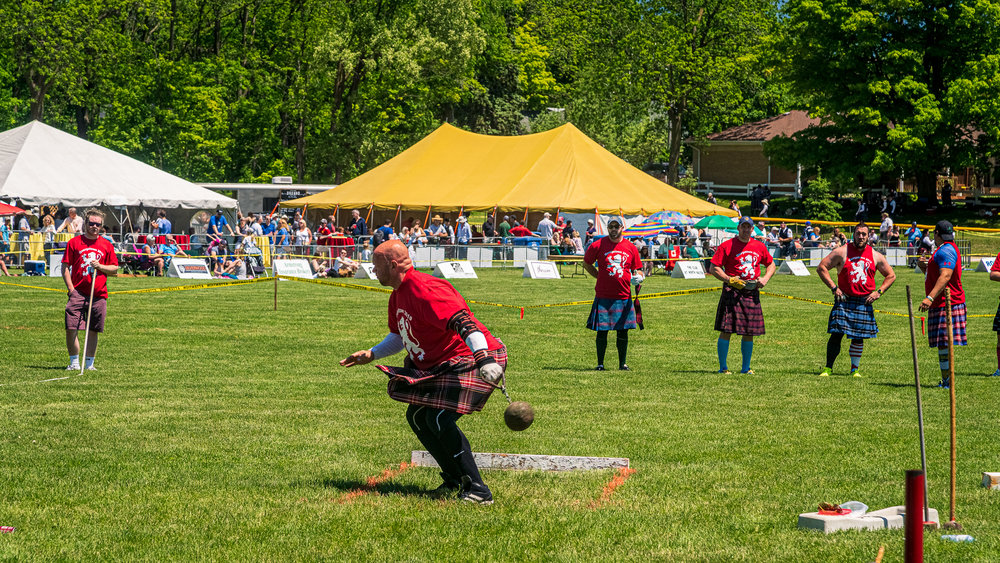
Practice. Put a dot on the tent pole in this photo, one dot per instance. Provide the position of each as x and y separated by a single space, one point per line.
368 217
428 216
397 213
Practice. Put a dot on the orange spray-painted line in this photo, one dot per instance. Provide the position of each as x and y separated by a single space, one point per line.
375 481
620 477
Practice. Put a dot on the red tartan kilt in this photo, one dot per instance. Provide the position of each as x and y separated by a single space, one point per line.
452 385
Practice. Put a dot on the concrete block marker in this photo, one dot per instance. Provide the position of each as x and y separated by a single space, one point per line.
887 518
985 264
991 481
421 458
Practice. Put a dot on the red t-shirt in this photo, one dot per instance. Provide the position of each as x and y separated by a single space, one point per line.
615 262
80 251
945 256
996 264
742 259
521 231
419 311
857 275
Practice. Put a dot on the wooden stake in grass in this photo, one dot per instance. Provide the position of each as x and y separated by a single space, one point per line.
951 524
275 274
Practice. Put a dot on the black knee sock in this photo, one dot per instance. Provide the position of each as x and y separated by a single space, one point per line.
622 343
602 346
421 419
833 348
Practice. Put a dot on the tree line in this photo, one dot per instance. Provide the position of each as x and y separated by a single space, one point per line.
323 90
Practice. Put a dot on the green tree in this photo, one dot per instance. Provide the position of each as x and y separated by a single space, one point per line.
817 197
899 86
659 71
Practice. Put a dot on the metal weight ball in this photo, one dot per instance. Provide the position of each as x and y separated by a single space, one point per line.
519 415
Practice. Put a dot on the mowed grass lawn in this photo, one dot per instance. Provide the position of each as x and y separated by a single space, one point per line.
217 428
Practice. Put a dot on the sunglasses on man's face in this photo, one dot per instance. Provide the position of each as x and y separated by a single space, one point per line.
95 223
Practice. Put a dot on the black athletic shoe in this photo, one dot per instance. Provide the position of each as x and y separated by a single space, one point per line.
476 493
624 367
944 383
599 368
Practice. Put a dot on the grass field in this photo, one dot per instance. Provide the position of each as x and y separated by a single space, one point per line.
217 428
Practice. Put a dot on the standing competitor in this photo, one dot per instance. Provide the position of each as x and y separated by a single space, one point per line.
451 366
618 266
995 276
943 271
87 251
737 263
853 295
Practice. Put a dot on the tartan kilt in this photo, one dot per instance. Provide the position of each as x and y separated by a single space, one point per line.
612 314
996 320
452 385
937 326
739 312
853 318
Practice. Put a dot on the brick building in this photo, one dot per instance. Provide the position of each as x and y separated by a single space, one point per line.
730 162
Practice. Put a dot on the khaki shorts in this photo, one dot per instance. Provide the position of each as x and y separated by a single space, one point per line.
76 312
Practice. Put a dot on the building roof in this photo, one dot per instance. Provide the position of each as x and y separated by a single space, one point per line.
766 129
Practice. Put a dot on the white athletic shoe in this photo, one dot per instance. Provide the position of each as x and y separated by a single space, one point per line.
73 367
91 368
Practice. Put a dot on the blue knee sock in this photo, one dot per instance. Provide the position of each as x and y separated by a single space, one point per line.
722 347
746 347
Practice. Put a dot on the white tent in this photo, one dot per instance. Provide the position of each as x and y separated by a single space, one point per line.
40 164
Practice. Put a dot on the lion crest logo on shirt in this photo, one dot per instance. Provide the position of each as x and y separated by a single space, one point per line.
858 271
746 265
87 256
616 263
411 344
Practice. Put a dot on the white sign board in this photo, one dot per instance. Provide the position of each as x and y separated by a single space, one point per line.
481 257
457 269
793 267
816 255
689 270
540 270
55 265
366 271
896 256
985 264
426 256
297 268
524 254
189 269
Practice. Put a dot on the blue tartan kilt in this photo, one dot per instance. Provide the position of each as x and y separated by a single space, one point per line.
853 318
611 314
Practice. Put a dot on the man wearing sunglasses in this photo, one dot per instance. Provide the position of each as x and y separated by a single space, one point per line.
86 254
617 269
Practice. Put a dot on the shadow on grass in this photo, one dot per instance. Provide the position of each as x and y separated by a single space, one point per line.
55 368
389 488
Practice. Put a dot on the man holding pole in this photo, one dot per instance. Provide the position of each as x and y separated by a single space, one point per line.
943 271
88 260
853 295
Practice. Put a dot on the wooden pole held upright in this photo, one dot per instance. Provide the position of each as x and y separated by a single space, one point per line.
951 394
275 289
920 407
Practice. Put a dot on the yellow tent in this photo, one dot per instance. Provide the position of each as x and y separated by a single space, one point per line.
452 169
